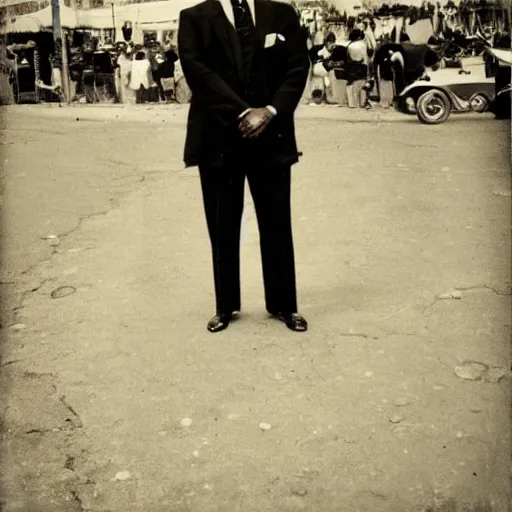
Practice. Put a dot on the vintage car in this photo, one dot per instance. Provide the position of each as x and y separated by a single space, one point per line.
436 94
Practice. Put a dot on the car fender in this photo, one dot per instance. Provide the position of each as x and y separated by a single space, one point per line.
418 89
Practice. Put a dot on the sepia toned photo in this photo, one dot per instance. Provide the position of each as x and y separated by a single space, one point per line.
255 256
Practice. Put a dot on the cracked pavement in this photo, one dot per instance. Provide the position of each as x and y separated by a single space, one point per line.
403 263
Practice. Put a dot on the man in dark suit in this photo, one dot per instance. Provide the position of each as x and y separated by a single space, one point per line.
246 63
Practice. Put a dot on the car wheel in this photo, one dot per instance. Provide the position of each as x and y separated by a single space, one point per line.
479 103
433 107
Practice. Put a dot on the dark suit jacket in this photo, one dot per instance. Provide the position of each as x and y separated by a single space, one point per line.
211 61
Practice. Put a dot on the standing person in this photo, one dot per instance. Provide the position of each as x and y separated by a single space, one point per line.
246 65
155 59
7 77
356 68
88 76
140 79
166 70
124 63
388 67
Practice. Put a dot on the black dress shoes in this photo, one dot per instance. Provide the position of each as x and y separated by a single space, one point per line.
294 321
219 322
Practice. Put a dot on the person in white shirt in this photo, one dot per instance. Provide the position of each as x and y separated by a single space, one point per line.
124 63
357 69
335 63
141 79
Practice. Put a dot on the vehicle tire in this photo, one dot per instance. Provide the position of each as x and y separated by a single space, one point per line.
501 106
433 107
479 103
183 92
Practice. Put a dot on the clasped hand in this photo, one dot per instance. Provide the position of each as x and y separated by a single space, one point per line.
254 122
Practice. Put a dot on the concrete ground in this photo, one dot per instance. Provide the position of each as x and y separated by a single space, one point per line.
116 398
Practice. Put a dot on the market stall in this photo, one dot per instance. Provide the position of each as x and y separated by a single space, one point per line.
40 21
31 54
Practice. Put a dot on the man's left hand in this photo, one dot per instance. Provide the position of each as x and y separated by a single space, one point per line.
254 122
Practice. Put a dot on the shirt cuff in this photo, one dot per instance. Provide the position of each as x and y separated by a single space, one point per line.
272 110
244 113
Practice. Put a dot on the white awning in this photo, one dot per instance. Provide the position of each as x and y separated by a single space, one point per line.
96 18
162 15
40 20
21 24
68 17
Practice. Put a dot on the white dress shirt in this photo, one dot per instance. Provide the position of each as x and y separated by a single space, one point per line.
358 51
140 74
228 10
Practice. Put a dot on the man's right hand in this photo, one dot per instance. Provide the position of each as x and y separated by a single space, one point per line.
255 121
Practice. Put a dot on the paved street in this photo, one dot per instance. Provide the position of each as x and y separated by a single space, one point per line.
116 397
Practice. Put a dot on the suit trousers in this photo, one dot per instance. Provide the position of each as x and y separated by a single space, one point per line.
223 196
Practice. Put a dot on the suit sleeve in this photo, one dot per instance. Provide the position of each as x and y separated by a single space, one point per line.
288 95
207 87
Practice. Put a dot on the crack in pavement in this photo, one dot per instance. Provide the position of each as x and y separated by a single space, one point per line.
3 365
63 235
84 218
497 291
355 335
76 498
55 430
27 283
70 463
54 250
486 287
23 297
70 408
71 425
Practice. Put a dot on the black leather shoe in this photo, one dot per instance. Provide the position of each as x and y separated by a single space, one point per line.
294 321
219 322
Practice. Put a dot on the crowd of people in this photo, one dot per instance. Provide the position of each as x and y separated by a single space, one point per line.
352 66
124 72
354 59
99 72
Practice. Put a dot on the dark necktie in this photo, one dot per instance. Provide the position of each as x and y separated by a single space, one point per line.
245 30
243 18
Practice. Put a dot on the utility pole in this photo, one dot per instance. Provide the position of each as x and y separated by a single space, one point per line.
113 22
60 42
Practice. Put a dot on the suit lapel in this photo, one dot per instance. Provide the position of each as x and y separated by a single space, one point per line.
261 14
226 34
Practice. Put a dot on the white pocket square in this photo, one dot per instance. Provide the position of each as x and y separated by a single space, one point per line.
270 39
